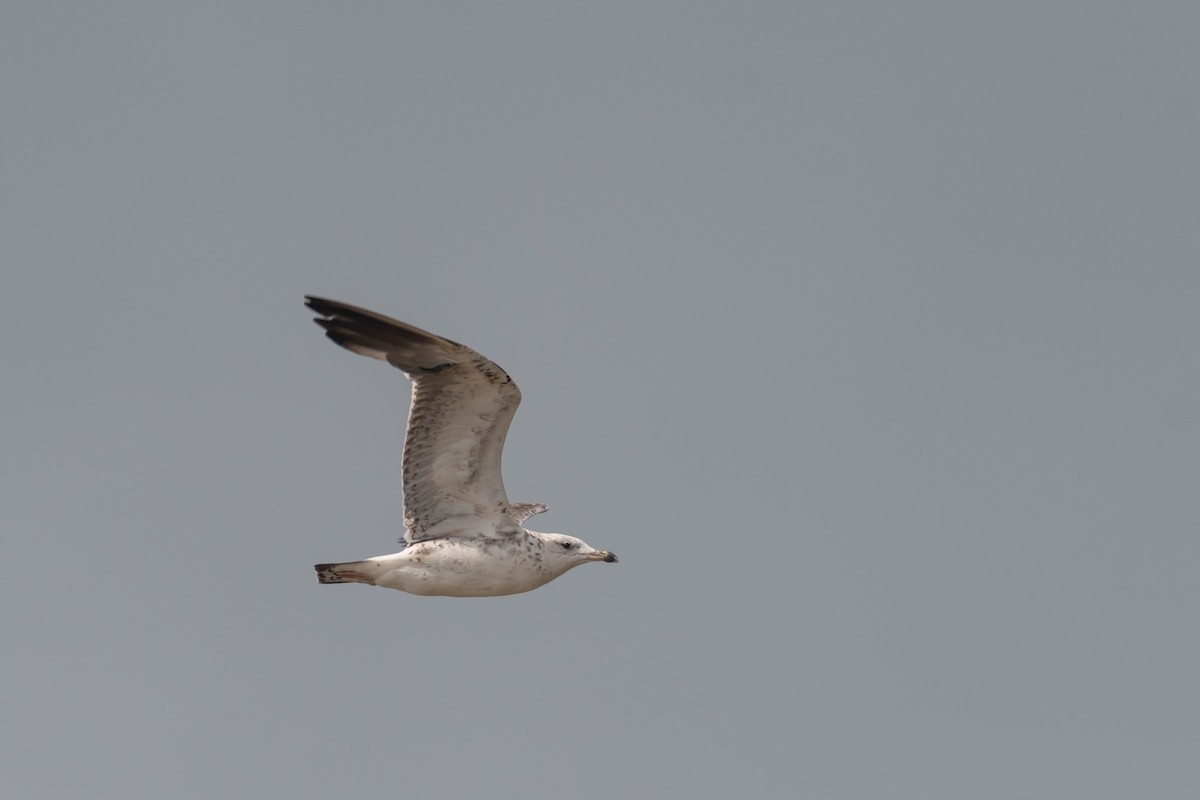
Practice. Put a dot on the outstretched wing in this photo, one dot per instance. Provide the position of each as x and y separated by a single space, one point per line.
523 511
462 405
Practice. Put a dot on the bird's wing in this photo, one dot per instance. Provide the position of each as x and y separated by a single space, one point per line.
462 405
523 511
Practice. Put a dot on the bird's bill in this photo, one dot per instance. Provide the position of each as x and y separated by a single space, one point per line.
605 556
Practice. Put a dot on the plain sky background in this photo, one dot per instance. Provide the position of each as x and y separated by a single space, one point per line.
865 334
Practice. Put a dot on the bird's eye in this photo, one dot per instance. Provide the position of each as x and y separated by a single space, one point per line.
565 545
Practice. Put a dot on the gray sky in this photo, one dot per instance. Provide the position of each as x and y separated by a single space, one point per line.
867 336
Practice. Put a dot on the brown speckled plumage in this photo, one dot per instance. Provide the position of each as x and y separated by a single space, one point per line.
463 536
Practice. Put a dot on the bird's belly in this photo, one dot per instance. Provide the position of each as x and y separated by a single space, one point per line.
448 568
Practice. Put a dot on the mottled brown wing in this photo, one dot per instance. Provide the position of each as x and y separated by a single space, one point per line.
462 405
523 511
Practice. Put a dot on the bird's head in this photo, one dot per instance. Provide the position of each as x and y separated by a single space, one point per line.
571 552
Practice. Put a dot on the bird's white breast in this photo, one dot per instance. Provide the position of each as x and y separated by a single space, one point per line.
465 567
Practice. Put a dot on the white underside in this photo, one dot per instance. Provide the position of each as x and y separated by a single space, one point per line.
459 567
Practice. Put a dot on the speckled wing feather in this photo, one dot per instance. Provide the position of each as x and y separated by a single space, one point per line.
462 405
523 511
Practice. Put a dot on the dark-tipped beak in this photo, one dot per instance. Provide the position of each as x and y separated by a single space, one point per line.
610 558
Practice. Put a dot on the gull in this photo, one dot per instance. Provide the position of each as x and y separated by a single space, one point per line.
462 536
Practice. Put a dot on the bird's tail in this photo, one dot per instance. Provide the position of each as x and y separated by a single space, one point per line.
345 572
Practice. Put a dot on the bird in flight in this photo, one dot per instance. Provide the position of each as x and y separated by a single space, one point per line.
462 536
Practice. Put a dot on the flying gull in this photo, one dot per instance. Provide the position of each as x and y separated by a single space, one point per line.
463 538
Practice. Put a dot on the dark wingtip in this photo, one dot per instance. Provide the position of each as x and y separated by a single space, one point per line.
321 305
